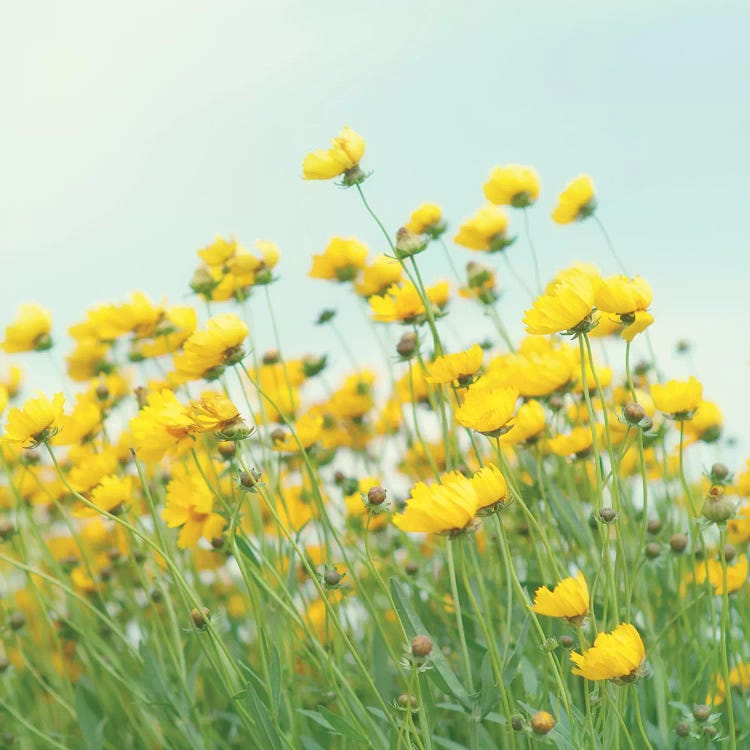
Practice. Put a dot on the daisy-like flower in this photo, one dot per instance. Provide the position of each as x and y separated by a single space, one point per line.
110 495
485 231
190 506
628 299
206 353
618 655
491 489
711 570
577 201
488 409
376 277
440 508
513 185
214 412
739 678
308 429
460 367
566 307
706 422
162 426
427 219
342 260
678 399
30 330
402 303
528 424
343 158
569 599
578 442
38 420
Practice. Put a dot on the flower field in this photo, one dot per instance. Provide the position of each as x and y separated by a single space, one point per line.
513 544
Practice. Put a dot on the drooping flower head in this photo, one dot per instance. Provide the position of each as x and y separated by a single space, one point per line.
577 201
38 420
342 158
628 299
512 185
618 655
569 599
30 330
485 231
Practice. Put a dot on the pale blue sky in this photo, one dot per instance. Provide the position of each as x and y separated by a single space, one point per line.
133 132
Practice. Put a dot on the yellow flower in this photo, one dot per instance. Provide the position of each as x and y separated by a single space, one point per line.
439 508
190 505
401 303
82 424
206 353
577 201
308 428
491 488
570 599
427 219
109 495
485 230
628 299
30 330
711 570
378 276
513 185
36 422
566 306
340 261
3 398
455 367
739 677
214 412
616 655
12 381
528 424
344 155
678 399
162 426
576 443
706 422
488 409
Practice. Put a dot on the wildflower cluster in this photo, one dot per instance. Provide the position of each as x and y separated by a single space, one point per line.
476 543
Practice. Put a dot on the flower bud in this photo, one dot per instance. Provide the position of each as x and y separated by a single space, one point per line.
200 618
718 508
408 243
542 722
633 413
678 542
313 364
249 479
332 577
102 392
407 701
7 529
709 730
701 712
653 550
376 495
654 526
608 515
227 449
730 552
411 568
719 472
517 722
271 357
421 646
682 729
407 345
325 316
17 620
567 641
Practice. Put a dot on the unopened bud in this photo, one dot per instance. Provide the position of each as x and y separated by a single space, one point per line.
312 364
567 641
102 392
407 701
332 577
7 529
421 646
718 508
730 552
682 729
654 526
271 357
227 449
517 722
411 568
678 542
633 413
701 712
200 618
607 515
542 722
408 243
17 620
407 345
249 479
719 472
376 495
653 550
709 730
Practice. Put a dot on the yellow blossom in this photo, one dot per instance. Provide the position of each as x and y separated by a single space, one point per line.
577 200
569 599
616 655
345 153
427 219
513 185
342 259
37 421
488 409
455 367
30 330
565 307
678 399
485 231
378 276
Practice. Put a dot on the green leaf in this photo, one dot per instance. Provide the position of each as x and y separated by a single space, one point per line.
308 743
262 718
441 674
489 692
448 744
342 726
318 719
246 549
87 713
